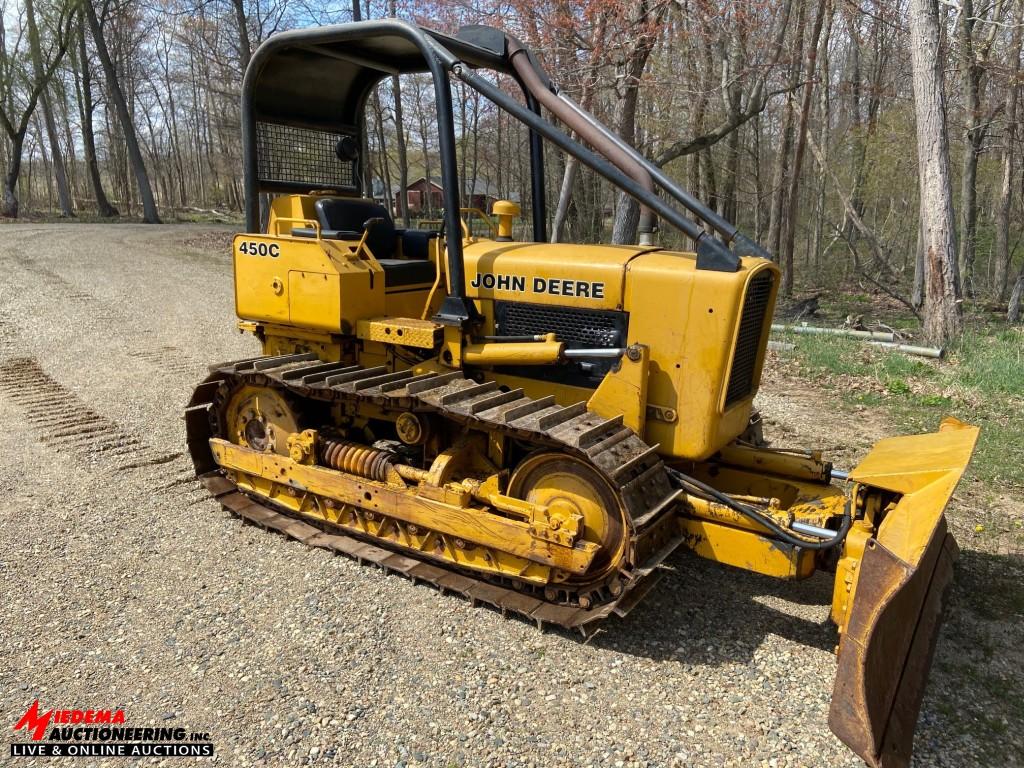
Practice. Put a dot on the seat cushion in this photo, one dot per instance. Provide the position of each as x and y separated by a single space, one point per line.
416 242
399 272
349 214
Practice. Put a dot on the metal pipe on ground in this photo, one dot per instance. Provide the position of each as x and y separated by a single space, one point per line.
854 334
875 338
935 353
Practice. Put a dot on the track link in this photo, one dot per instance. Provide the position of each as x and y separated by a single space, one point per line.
630 465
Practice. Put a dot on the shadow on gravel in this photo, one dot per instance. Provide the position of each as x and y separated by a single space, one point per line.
975 697
703 613
706 613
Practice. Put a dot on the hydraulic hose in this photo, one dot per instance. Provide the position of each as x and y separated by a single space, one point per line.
782 533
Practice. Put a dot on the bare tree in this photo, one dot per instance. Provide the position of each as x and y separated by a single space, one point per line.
60 174
645 18
783 154
86 107
789 230
242 22
1002 218
124 116
694 84
1013 313
974 55
941 307
21 92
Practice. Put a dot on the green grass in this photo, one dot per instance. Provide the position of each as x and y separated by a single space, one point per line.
981 381
993 363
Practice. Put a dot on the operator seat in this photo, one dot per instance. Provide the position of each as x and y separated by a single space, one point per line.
342 218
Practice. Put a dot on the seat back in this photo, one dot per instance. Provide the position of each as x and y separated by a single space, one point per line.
349 214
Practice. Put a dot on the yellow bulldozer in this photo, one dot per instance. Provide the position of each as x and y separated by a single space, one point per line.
537 426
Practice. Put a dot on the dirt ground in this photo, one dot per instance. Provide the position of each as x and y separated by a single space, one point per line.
124 587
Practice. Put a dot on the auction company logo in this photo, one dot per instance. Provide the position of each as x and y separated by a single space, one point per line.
101 733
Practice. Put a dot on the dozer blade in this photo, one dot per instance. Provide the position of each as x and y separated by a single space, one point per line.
886 648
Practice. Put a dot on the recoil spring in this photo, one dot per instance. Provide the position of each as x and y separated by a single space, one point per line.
356 459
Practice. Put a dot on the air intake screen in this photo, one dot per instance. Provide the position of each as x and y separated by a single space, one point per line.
578 328
302 157
748 342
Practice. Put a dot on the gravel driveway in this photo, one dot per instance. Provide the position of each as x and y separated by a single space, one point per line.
124 587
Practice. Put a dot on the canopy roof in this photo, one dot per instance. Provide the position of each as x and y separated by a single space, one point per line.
319 77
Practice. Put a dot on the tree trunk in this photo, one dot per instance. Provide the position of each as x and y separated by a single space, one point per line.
1002 218
733 101
970 73
57 162
856 123
16 126
403 152
627 212
426 195
759 192
40 141
779 186
564 199
943 319
917 292
798 157
60 174
466 193
149 211
244 45
86 108
825 107
385 165
10 203
780 177
1013 314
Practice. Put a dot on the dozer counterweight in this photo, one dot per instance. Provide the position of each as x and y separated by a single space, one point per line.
535 426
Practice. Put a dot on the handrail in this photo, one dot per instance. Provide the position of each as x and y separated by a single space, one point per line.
711 253
295 220
467 233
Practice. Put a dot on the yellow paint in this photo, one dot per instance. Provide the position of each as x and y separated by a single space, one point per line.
402 331
687 319
327 296
546 352
407 504
924 471
541 273
305 284
745 549
506 212
624 391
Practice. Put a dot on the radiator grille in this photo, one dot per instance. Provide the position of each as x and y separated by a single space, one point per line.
287 154
578 328
748 342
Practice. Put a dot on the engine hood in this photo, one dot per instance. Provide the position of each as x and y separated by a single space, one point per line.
585 276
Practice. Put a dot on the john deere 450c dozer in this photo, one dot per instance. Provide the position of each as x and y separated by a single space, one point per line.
535 426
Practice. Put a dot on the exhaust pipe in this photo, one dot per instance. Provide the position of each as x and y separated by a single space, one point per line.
533 81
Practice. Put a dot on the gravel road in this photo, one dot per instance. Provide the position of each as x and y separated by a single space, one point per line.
124 587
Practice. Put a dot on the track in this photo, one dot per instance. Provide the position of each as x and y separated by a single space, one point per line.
629 464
